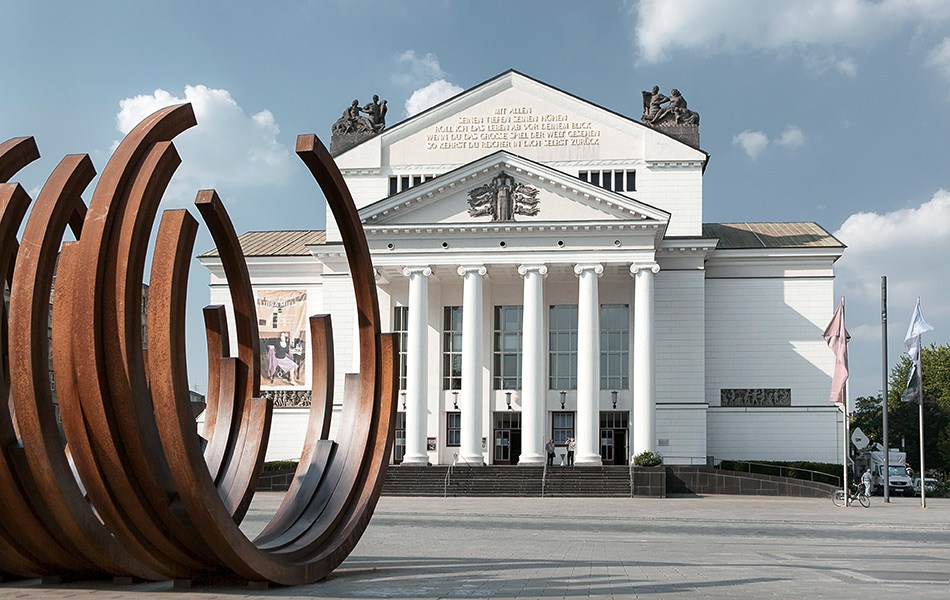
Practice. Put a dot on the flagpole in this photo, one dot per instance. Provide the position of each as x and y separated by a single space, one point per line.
920 405
887 449
844 419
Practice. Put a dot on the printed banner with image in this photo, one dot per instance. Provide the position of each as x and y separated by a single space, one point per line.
282 322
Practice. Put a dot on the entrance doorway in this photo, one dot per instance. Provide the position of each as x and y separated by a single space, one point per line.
613 437
507 446
399 446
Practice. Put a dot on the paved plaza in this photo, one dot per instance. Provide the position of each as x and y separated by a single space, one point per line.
692 547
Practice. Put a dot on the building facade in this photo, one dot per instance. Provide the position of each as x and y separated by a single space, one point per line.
545 263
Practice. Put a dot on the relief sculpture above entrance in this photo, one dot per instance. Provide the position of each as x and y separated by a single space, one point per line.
503 198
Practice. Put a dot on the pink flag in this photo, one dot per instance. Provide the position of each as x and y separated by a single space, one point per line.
837 338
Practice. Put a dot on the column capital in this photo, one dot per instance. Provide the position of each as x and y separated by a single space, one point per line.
479 270
596 268
424 271
541 270
636 267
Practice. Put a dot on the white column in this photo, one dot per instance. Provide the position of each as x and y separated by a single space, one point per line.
416 366
644 360
532 366
471 401
588 365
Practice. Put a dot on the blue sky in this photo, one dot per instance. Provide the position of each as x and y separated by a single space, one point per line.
834 111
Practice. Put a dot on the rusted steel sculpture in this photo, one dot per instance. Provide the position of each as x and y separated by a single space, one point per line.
134 491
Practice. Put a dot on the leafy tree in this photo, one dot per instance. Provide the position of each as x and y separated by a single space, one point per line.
903 423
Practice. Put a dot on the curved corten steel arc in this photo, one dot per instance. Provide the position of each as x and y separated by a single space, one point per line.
150 498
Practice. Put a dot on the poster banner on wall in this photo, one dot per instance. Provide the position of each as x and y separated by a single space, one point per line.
282 321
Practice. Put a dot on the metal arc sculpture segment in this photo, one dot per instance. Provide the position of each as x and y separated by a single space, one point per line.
123 483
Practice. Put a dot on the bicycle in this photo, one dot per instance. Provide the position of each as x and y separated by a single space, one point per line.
857 493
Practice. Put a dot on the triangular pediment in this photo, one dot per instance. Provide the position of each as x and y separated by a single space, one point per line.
520 114
533 193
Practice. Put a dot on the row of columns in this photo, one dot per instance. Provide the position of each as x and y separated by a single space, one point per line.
587 423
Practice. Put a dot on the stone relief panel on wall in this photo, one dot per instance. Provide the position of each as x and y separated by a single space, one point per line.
503 198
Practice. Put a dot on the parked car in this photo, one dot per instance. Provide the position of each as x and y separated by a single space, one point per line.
929 482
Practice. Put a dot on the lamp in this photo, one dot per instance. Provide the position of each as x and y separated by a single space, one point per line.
508 399
403 394
455 400
613 397
563 395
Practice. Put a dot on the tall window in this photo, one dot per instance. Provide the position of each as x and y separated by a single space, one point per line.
399 446
452 348
507 372
562 427
562 346
453 429
614 346
401 329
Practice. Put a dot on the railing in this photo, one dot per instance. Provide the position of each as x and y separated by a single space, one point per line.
630 469
544 477
781 470
448 472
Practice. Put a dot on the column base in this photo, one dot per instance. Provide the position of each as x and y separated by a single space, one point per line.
589 460
419 460
476 460
531 460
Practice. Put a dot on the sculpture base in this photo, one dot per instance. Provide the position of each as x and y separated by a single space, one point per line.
341 143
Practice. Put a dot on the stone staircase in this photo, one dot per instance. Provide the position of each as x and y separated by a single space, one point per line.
509 481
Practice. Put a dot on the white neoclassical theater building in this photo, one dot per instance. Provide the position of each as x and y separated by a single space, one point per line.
546 264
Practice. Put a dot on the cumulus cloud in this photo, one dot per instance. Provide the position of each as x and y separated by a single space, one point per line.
663 27
227 149
430 95
417 70
939 58
908 246
792 138
753 142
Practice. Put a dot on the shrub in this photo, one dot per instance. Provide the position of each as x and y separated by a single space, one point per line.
647 459
280 465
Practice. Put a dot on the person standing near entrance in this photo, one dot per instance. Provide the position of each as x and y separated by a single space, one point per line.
571 447
549 448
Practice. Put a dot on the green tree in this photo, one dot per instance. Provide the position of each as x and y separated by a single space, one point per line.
903 420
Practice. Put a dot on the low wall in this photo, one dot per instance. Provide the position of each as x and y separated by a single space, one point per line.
705 480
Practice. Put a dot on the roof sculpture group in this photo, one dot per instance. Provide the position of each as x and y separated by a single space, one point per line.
353 128
134 491
670 115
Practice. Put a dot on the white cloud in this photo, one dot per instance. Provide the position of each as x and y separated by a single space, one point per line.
733 25
753 142
420 69
909 246
226 150
791 138
822 63
939 58
430 95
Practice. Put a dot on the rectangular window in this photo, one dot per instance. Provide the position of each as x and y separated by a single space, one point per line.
582 175
401 329
507 355
452 348
562 347
428 177
416 179
399 446
618 181
595 177
393 185
404 181
631 181
562 427
606 180
453 429
614 346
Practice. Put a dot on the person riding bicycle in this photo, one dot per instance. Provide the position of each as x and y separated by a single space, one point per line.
867 480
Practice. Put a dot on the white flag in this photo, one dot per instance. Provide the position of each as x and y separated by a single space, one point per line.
917 327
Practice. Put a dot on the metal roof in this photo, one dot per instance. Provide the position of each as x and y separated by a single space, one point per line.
733 236
276 243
